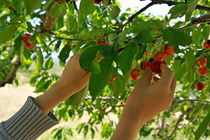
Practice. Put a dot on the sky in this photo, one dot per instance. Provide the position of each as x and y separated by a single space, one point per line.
157 10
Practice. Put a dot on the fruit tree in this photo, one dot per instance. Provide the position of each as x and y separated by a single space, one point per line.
116 47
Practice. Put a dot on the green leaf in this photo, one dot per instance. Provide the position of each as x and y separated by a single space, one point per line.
86 7
88 56
7 33
179 71
114 12
32 5
79 97
64 54
98 81
202 127
18 5
178 10
117 86
191 5
144 37
57 45
176 37
190 58
95 67
49 63
126 57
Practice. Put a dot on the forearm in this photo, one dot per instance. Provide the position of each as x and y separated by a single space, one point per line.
128 126
55 95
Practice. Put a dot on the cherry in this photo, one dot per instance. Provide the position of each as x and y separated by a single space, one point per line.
144 65
151 60
160 56
135 73
155 66
24 39
203 71
202 61
169 50
199 86
28 45
28 36
206 44
113 78
97 1
101 43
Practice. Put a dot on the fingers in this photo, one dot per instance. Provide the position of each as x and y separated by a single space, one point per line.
146 78
167 75
173 86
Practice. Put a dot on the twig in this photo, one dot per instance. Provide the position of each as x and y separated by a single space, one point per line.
130 19
170 3
181 118
10 77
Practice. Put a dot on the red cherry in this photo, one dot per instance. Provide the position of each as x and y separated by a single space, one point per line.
97 1
28 36
151 60
144 65
135 73
155 66
101 43
113 78
202 61
203 71
199 86
160 56
169 50
69 45
28 45
206 44
24 39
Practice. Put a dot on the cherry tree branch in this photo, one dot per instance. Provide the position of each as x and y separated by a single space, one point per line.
171 3
10 77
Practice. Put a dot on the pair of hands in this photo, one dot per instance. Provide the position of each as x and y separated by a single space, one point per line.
142 105
146 99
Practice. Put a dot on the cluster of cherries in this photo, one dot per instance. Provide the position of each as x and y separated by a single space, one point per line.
153 63
26 39
203 70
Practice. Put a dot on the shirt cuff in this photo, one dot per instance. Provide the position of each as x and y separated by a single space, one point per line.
28 123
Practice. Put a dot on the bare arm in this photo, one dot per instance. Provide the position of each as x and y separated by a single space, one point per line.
144 103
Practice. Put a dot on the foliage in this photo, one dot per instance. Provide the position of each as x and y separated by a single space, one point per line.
60 27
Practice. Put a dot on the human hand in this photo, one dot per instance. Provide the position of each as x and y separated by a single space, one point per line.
148 99
74 78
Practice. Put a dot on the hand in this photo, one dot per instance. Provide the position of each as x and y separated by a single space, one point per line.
148 99
74 78
145 102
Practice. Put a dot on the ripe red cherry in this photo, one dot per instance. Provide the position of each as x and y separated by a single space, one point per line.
144 65
113 78
160 56
28 36
206 44
169 50
24 39
151 60
203 71
199 86
97 1
28 45
155 66
101 43
135 73
202 61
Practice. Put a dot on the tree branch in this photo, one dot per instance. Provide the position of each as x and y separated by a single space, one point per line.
170 3
10 77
